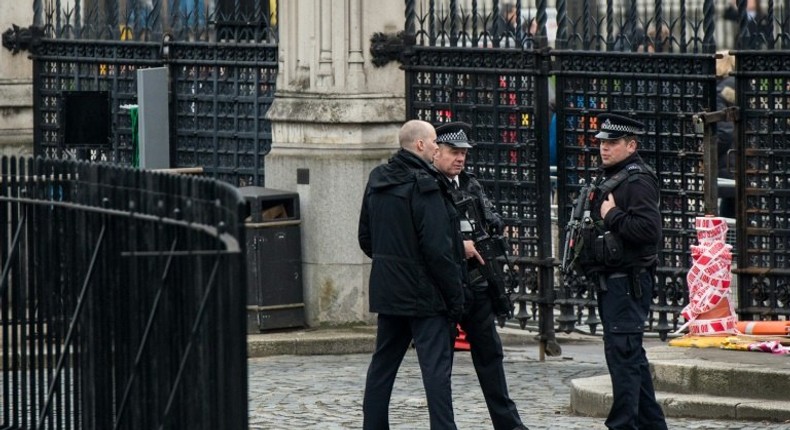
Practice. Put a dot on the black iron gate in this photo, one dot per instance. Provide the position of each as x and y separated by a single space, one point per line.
222 61
499 91
654 61
664 91
221 92
763 184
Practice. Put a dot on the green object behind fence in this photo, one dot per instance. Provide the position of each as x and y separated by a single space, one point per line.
135 137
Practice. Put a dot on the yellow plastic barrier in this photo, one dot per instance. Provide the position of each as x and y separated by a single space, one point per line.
699 341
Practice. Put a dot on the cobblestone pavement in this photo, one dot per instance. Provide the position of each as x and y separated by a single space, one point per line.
325 392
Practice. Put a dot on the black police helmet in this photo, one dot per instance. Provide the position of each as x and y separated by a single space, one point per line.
612 126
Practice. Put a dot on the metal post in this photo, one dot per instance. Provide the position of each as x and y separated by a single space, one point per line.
710 158
548 340
152 86
710 163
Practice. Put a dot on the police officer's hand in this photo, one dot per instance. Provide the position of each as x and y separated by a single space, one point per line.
453 325
455 313
607 205
471 252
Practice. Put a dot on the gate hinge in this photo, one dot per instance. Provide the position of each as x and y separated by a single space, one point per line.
731 113
17 39
390 47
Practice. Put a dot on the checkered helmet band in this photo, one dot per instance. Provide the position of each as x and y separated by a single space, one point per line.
608 126
455 136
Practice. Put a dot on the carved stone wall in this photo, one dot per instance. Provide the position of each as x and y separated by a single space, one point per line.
334 118
16 86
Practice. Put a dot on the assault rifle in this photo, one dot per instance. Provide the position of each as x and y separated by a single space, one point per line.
493 249
580 213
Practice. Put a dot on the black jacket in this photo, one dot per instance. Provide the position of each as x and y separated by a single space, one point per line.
636 218
760 29
492 222
469 185
408 226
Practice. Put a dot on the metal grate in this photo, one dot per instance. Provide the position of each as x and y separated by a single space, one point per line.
71 66
222 92
763 184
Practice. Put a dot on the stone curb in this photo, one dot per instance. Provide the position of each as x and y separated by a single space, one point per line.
311 342
739 374
362 339
689 383
592 397
702 377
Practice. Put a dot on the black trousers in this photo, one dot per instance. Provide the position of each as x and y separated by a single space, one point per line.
433 340
623 314
487 356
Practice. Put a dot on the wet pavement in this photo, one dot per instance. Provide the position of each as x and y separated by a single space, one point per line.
325 392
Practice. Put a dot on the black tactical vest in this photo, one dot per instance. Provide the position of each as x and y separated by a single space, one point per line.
596 249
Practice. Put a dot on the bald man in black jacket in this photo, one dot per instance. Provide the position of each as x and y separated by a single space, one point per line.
410 229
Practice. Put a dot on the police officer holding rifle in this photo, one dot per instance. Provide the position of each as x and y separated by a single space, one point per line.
487 290
613 238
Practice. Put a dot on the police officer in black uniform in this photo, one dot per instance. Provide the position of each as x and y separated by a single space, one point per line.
409 227
619 252
479 320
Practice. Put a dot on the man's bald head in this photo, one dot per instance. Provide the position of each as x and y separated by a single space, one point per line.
419 137
412 131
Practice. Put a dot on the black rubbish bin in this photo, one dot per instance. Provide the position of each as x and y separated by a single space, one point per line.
274 260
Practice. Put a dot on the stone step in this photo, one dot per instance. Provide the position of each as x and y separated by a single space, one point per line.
593 397
703 383
717 372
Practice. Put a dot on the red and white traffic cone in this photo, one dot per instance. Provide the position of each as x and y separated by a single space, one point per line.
461 344
710 311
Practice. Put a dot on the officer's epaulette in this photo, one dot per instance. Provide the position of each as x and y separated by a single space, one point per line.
633 169
630 172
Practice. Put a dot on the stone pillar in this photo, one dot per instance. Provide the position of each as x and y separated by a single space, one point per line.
16 85
334 118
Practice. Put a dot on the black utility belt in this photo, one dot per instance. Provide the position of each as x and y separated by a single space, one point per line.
634 286
615 275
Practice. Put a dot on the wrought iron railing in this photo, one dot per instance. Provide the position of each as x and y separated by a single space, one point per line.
120 304
145 21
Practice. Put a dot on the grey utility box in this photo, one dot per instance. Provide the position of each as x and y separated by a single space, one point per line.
275 298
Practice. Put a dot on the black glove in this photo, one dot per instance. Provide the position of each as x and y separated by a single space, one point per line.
453 326
455 313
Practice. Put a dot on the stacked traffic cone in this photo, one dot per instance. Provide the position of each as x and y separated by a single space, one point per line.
710 311
461 344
